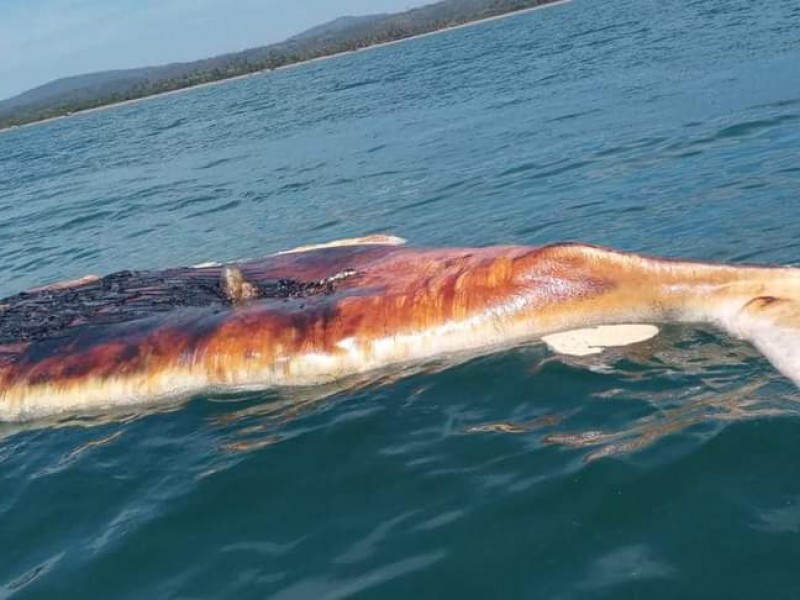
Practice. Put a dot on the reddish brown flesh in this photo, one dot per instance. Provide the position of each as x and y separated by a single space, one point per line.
394 289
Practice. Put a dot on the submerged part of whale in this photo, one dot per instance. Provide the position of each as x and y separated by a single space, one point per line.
320 313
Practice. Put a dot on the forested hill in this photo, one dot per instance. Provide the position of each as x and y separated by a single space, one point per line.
74 94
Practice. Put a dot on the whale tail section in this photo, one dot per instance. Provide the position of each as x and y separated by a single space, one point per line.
772 324
758 304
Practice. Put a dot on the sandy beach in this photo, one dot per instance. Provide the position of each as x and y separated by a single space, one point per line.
289 66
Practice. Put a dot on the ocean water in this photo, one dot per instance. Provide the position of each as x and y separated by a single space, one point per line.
666 470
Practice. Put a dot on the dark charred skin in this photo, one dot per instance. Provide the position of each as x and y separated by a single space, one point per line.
131 295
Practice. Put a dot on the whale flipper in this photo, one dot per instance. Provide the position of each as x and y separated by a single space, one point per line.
593 340
771 324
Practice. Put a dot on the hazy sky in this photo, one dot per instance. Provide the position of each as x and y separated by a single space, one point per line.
41 40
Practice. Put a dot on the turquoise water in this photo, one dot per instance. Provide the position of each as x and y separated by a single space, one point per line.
667 470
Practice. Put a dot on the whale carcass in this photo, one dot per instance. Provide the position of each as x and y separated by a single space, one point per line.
320 313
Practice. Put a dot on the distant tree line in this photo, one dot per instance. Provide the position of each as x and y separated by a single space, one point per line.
369 32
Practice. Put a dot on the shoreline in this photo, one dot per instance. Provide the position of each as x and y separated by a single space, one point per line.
285 67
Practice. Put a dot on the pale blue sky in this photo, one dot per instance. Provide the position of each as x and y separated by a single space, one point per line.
41 40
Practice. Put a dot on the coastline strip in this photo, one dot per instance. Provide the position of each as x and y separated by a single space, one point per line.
284 67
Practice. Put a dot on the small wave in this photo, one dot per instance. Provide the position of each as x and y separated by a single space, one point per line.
214 210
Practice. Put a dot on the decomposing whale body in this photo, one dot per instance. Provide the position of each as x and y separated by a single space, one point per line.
320 313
